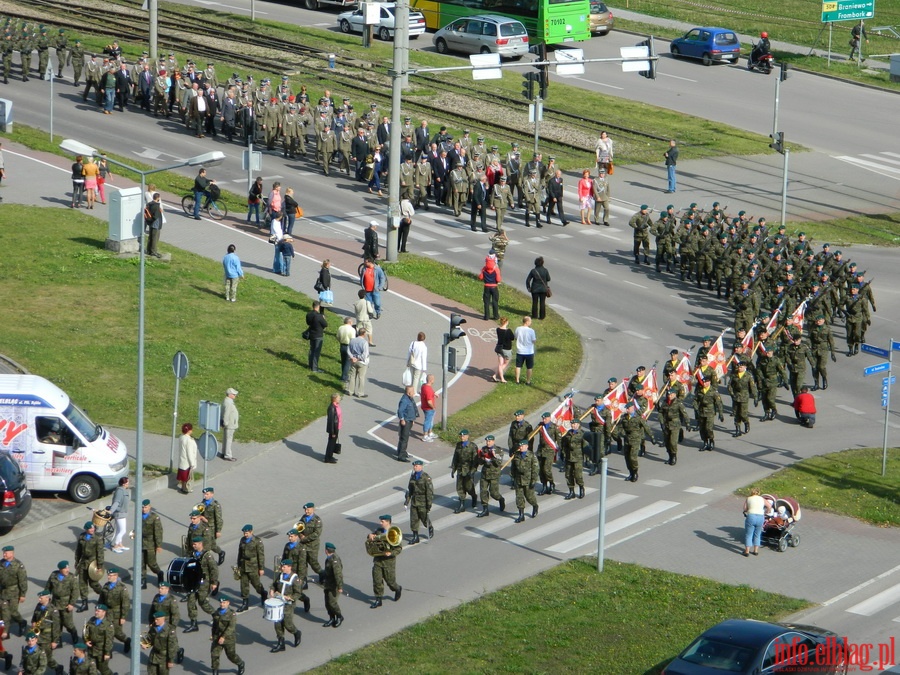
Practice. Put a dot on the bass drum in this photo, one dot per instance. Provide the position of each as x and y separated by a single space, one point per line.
184 575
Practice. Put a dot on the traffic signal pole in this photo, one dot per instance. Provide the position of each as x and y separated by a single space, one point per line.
455 333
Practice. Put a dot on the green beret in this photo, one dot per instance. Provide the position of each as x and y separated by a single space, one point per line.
146 502
208 489
463 432
196 539
802 234
670 206
741 213
163 583
838 253
31 635
224 598
644 207
247 528
112 570
329 546
9 548
489 437
41 594
693 205
418 462
293 532
82 646
715 204
88 525
100 605
157 615
309 505
386 517
62 564
523 442
287 561
707 338
195 514
545 415
519 412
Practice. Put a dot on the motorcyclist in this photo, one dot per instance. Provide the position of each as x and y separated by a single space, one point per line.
761 48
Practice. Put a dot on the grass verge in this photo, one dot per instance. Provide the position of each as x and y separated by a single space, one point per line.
569 619
558 354
848 483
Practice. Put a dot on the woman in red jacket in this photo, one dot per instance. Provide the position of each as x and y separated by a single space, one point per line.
490 275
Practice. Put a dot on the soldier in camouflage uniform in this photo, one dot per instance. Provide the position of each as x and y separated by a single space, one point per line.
25 46
13 590
164 650
706 404
384 565
524 472
520 429
600 425
251 564
98 636
209 584
673 418
573 453
770 371
6 51
63 55
796 356
197 528
419 497
641 222
116 597
43 47
463 466
75 56
634 429
548 447
489 459
90 548
166 603
333 583
34 659
289 587
821 344
309 541
224 637
664 231
741 386
499 242
64 589
151 542
45 621
80 664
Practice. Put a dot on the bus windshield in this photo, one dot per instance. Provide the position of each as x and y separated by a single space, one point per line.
82 423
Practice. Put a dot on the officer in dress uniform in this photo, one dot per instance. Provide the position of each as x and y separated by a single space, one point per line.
501 199
289 588
532 193
459 186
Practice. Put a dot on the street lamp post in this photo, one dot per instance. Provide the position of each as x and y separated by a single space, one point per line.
207 159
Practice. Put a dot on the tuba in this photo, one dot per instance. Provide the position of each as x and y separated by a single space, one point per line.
299 526
383 543
201 507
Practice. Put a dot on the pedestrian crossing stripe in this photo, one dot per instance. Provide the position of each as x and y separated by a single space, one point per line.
590 536
877 602
495 526
881 165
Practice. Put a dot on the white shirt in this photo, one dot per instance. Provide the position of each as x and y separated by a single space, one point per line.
418 355
525 339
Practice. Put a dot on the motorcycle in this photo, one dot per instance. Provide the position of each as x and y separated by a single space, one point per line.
763 62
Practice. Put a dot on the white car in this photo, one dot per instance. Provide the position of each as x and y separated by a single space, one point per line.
354 22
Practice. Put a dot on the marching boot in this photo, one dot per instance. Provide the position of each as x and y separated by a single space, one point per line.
629 476
712 446
159 577
330 622
241 668
430 530
398 593
637 259
245 604
719 292
215 671
502 504
581 492
297 637
415 539
737 431
127 647
262 599
221 557
815 374
657 265
305 605
143 583
646 261
74 635
552 487
339 620
824 382
474 500
192 627
674 460
521 518
746 427
376 603
543 489
460 506
484 511
534 511
279 646
59 670
571 495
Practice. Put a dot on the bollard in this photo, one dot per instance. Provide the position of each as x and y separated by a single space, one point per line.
331 61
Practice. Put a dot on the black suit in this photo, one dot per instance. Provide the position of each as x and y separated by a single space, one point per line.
440 172
383 133
480 199
359 148
370 245
555 198
123 86
145 86
422 139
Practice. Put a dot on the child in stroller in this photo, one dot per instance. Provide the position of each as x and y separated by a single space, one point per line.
778 529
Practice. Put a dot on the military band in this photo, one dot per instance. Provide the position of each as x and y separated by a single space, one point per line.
384 545
251 566
288 587
419 498
224 637
209 584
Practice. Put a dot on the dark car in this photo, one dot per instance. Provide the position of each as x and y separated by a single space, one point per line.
16 498
710 45
747 646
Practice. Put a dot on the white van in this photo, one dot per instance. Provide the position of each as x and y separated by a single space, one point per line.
57 445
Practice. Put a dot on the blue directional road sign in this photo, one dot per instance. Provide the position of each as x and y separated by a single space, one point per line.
885 380
880 368
877 351
895 345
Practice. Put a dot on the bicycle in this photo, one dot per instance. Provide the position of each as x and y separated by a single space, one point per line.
215 208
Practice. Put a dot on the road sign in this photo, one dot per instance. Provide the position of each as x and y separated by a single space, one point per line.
880 368
847 10
208 446
895 345
180 365
877 351
564 58
889 380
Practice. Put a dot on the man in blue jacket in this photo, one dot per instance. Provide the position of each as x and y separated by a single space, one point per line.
407 412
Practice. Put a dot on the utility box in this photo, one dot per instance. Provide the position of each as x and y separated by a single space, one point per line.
126 220
895 67
6 115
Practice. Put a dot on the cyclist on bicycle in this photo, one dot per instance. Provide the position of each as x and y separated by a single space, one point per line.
201 190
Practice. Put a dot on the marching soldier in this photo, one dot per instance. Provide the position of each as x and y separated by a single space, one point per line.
532 190
92 78
548 446
501 199
151 542
821 344
459 185
856 318
673 418
224 637
327 147
43 47
423 181
573 453
45 622
116 597
89 549
333 583
63 588
80 664
345 139
197 528
706 404
524 472
407 178
419 497
601 194
463 466
289 588
98 636
213 516
513 169
34 659
489 460
63 53
13 590
796 356
384 565
742 386
209 583
309 540
251 565
164 650
770 370
520 429
633 428
664 231
599 426
640 222
271 115
165 603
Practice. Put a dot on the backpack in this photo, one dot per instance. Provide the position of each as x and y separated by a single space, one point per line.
148 215
214 191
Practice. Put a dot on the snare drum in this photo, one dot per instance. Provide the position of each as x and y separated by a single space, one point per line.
184 575
274 609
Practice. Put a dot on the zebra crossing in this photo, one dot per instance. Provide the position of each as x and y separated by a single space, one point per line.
883 163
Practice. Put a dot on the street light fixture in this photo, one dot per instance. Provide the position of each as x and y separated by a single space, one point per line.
206 159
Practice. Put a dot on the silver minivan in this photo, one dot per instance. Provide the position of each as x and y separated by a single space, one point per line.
483 34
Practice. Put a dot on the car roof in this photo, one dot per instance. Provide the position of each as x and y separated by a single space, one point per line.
492 17
744 632
713 28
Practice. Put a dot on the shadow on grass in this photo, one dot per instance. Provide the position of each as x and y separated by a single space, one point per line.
844 480
90 241
208 291
285 356
297 305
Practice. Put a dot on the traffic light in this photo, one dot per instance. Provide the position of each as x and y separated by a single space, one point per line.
455 331
777 143
540 51
784 74
542 77
651 52
543 81
528 85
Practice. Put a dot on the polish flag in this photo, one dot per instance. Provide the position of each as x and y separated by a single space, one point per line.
773 320
717 358
749 342
651 392
683 371
796 319
562 416
616 400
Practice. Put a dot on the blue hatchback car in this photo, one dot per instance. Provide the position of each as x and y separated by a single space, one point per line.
710 45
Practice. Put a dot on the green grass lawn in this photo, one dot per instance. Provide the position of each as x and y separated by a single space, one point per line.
628 620
848 483
77 326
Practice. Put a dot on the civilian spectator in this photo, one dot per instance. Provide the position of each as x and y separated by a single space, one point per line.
805 407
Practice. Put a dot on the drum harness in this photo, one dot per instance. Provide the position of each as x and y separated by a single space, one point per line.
286 584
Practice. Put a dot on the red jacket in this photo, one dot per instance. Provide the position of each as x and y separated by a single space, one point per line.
490 273
805 404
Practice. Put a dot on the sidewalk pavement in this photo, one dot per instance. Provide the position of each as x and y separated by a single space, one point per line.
370 431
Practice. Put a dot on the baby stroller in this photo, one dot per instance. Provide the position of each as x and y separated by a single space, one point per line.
778 529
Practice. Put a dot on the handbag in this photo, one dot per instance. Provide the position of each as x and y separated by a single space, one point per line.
305 334
326 297
549 292
337 449
318 287
299 212
407 377
609 168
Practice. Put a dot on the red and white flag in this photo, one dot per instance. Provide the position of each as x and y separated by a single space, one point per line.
562 416
717 358
773 320
683 371
749 342
651 392
616 400
796 319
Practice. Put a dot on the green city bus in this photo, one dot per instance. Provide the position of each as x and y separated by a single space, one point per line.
547 21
